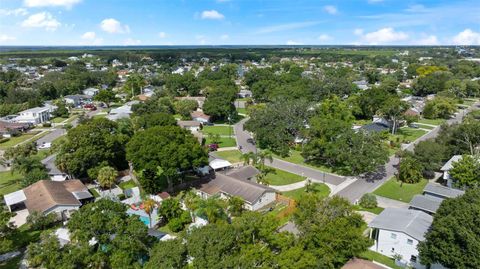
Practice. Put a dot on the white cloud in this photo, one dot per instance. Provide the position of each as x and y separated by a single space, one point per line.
162 34
14 12
384 36
467 37
293 42
332 10
430 40
41 20
113 26
358 31
90 38
51 3
324 37
131 42
212 15
286 27
224 37
6 38
89 35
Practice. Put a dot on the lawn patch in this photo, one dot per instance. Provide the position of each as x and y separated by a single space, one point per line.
127 185
279 177
391 189
223 142
13 141
233 156
375 256
9 182
432 121
377 210
242 110
220 130
296 157
319 189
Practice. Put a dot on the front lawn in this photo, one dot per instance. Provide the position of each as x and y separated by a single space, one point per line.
432 121
377 210
9 182
58 120
242 110
223 142
319 189
375 256
429 127
409 135
279 177
297 158
391 189
233 156
13 141
220 130
127 185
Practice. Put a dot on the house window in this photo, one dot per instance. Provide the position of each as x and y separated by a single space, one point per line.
413 258
410 241
393 236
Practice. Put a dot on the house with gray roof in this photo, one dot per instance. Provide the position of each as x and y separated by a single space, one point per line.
53 171
432 198
397 231
441 191
244 173
256 196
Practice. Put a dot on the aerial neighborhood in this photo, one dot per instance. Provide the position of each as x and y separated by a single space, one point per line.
298 157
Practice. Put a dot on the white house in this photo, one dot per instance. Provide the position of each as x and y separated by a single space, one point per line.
191 125
77 99
447 167
256 196
34 115
397 232
91 91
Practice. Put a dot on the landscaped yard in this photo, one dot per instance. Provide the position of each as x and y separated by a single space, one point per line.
9 182
19 139
221 130
58 119
408 134
391 189
233 156
280 177
429 127
374 256
127 185
432 122
223 142
319 189
242 110
296 157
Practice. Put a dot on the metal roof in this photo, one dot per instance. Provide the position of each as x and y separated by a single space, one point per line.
426 203
443 191
411 222
219 163
244 173
15 197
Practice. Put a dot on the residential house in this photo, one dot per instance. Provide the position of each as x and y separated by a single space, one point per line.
34 115
54 173
77 99
46 196
191 125
244 93
122 111
447 167
397 231
247 172
361 84
433 196
219 164
200 116
199 99
7 129
91 91
256 196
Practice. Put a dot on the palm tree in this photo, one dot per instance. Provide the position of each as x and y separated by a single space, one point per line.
264 155
248 158
191 201
149 206
106 176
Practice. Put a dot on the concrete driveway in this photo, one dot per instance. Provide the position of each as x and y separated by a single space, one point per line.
20 218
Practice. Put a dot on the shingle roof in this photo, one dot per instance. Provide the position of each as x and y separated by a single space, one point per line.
244 173
442 191
49 163
426 203
248 190
412 222
449 165
375 127
46 194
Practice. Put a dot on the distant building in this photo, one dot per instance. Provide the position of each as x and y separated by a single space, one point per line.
200 116
34 115
191 125
77 99
91 91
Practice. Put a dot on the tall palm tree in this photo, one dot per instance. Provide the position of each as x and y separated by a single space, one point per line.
191 201
248 158
106 176
264 155
149 206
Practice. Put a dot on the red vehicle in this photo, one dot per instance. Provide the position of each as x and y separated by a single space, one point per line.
90 107
212 147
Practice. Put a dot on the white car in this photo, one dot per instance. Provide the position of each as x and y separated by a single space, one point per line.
45 145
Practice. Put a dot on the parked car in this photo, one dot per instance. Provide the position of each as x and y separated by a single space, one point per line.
251 141
413 125
90 107
45 145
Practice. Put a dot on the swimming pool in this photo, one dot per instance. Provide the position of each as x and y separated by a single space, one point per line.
145 220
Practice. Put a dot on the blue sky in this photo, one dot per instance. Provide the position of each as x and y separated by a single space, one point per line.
242 22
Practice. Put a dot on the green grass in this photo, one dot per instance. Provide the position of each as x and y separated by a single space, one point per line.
392 189
375 256
296 157
97 116
425 126
94 192
432 121
19 139
220 130
279 177
242 110
223 142
407 135
319 189
127 185
9 182
279 208
58 120
377 210
233 156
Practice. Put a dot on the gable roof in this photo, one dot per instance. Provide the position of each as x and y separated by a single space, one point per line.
426 203
45 194
449 165
442 191
244 173
411 222
246 189
375 127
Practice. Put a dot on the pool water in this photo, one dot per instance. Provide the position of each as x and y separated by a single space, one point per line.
145 220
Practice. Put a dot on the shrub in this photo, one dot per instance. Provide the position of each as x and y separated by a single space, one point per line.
46 124
175 225
368 200
39 221
4 139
